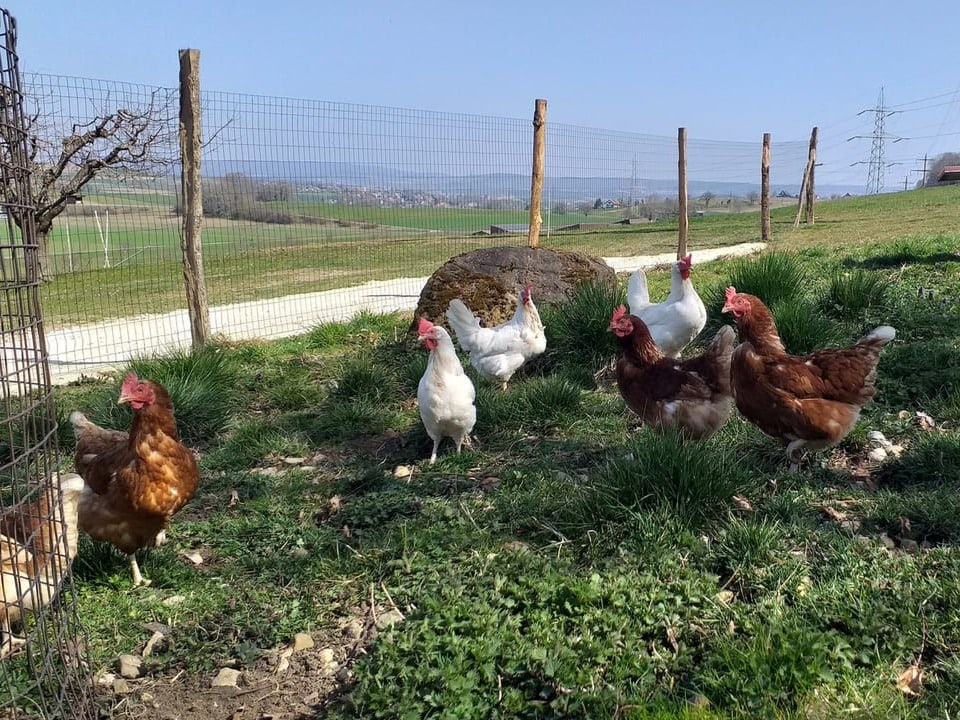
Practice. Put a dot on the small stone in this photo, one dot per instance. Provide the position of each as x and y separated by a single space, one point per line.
130 666
909 546
104 678
326 656
402 471
121 687
294 460
389 619
887 541
877 454
302 641
724 596
173 600
344 674
299 552
227 677
353 630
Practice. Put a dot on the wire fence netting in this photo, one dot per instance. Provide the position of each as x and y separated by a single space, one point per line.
316 210
43 672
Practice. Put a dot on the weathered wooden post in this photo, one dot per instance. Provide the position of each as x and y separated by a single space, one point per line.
536 181
806 183
765 189
682 193
192 198
811 185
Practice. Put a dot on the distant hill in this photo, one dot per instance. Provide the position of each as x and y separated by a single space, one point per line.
567 189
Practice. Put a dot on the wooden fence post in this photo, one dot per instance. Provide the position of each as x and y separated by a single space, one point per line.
811 186
192 198
682 192
765 189
536 181
806 189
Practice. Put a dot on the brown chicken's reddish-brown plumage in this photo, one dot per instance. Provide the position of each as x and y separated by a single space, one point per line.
38 539
136 480
692 395
806 402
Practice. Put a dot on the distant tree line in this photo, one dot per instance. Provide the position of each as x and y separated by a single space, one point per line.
236 196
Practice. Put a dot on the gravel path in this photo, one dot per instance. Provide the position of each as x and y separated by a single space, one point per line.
88 349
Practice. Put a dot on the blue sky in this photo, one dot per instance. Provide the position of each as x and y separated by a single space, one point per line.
726 71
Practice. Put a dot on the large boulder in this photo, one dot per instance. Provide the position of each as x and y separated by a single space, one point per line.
488 280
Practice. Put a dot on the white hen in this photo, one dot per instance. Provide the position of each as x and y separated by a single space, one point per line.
445 394
500 351
678 319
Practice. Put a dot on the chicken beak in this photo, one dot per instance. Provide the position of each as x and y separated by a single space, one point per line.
123 399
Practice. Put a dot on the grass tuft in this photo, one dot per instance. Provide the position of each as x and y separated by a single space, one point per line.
851 293
577 333
802 329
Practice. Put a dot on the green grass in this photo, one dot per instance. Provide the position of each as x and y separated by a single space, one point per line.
569 564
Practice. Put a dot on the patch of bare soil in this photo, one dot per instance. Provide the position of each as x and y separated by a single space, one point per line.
297 681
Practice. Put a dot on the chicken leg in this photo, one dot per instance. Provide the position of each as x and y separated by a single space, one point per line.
138 579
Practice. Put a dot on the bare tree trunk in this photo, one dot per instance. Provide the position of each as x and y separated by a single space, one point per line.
765 189
536 182
190 129
682 192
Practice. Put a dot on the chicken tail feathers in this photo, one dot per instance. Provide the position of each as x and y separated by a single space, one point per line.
878 337
463 322
638 295
722 342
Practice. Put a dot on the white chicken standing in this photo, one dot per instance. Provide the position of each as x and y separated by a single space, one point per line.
445 394
500 351
677 320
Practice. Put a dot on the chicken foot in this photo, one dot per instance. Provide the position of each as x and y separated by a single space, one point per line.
138 579
10 642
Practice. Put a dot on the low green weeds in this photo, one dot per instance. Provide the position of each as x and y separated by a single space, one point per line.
568 564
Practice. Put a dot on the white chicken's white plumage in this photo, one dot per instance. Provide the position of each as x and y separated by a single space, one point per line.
500 351
445 394
638 295
677 320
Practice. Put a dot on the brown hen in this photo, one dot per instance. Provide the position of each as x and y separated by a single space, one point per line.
806 402
136 480
692 395
38 539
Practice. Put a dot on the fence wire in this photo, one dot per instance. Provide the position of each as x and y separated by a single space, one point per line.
316 210
42 668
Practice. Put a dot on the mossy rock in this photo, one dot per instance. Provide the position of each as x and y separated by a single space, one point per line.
488 280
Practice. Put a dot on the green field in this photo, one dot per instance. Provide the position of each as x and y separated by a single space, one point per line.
248 260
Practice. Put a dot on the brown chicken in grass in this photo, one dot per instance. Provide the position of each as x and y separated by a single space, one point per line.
692 395
38 539
809 402
136 480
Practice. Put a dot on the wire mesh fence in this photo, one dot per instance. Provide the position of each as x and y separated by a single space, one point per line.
42 670
315 210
